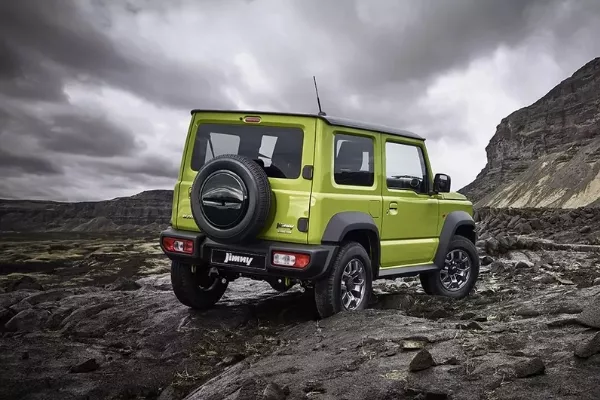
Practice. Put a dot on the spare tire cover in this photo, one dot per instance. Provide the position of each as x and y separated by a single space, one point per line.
231 198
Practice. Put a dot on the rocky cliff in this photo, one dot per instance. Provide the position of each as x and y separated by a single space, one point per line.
547 154
146 211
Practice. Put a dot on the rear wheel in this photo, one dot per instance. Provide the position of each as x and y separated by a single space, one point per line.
459 274
195 286
348 285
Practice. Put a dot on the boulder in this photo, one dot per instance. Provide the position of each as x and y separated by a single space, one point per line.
24 282
5 316
491 246
523 264
11 298
313 387
421 361
498 267
124 285
48 295
168 393
28 320
471 326
513 221
590 316
536 224
528 368
84 367
524 228
588 348
486 260
273 392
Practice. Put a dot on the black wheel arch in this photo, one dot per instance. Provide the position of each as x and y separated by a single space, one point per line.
358 227
456 223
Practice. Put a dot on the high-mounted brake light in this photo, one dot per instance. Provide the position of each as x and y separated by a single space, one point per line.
252 119
178 245
284 259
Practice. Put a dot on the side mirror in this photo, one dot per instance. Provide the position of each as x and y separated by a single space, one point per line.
441 183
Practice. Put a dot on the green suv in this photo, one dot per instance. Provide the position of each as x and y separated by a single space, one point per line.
327 203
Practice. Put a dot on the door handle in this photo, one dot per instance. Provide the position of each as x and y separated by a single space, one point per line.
393 205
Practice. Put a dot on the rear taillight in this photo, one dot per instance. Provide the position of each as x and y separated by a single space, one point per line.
295 260
177 245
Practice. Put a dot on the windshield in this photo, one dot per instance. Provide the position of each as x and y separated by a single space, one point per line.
277 149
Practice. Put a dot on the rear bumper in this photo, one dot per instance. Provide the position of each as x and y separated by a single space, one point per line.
257 257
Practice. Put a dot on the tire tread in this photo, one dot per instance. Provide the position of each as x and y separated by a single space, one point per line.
188 293
259 216
325 298
430 281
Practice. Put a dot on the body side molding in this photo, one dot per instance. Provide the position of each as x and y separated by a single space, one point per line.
392 273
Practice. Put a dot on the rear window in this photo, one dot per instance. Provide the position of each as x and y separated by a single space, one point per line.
277 149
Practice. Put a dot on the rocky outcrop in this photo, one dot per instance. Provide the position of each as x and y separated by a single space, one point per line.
546 154
146 211
107 310
581 226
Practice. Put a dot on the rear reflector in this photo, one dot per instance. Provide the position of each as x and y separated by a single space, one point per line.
290 259
252 119
178 245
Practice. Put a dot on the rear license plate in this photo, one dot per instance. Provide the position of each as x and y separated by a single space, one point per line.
237 259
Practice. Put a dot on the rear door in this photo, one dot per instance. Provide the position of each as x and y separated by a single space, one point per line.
283 144
410 214
345 176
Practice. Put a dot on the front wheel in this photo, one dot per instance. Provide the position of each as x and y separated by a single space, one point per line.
195 286
348 285
459 274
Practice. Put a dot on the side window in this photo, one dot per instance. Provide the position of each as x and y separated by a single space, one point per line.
405 167
353 162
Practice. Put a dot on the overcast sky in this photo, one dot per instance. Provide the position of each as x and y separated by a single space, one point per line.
95 95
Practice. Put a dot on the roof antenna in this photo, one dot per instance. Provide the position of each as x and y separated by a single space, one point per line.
318 100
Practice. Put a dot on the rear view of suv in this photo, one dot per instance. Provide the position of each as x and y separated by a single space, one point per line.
323 202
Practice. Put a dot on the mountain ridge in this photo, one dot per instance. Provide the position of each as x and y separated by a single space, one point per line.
548 153
146 211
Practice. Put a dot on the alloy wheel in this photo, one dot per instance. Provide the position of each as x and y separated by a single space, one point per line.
353 285
456 271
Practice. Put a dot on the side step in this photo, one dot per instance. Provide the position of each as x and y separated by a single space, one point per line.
397 272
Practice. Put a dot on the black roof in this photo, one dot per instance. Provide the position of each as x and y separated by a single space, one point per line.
337 121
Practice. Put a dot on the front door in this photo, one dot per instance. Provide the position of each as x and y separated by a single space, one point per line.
410 213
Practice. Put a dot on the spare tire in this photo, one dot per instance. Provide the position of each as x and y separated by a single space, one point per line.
231 198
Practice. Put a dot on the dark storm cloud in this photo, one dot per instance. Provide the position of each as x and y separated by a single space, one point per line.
26 75
373 60
14 191
78 132
144 167
57 36
423 38
17 164
88 135
389 60
44 46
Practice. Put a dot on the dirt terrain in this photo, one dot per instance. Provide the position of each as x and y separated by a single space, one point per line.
94 317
